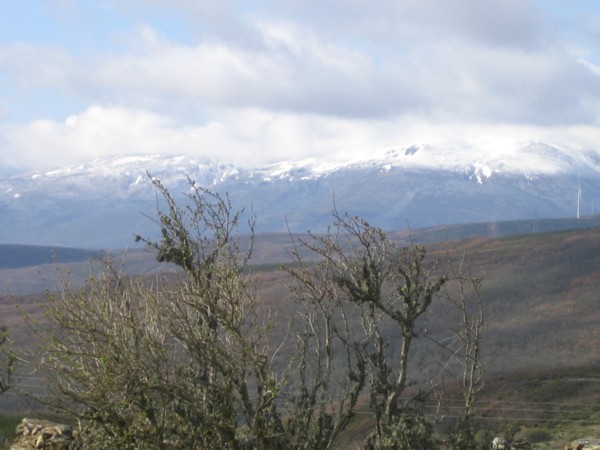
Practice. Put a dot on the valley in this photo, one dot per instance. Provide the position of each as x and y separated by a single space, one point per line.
540 293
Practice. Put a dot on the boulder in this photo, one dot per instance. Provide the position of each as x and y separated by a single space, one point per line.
32 434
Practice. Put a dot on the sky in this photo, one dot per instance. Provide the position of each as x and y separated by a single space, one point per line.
253 82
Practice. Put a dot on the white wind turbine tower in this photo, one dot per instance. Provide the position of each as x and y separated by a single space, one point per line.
578 198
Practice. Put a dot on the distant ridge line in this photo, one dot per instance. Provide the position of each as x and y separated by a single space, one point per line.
16 256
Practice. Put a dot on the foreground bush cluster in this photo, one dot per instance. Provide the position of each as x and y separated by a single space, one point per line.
195 363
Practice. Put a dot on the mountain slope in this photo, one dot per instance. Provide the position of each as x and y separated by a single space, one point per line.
540 293
18 256
104 203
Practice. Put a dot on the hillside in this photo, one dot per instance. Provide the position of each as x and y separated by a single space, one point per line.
27 269
541 296
18 256
105 202
500 229
540 292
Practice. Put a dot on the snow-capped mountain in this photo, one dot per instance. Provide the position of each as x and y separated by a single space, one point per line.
105 202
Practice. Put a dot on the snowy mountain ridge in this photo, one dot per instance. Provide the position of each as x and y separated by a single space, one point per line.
533 158
103 202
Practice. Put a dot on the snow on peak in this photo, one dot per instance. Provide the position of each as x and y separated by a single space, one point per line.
104 197
128 175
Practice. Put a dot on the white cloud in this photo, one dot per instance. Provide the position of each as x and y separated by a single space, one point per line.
34 66
242 136
506 23
252 137
296 69
206 19
64 10
591 66
4 108
275 79
293 71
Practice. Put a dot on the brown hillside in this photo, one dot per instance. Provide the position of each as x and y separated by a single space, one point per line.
541 294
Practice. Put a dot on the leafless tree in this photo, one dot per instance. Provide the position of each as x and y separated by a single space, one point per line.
330 370
189 362
107 362
179 364
468 334
463 295
388 284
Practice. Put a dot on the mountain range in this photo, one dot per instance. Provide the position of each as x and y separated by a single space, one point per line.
103 203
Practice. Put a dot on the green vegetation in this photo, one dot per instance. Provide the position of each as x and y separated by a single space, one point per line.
8 423
7 360
6 381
